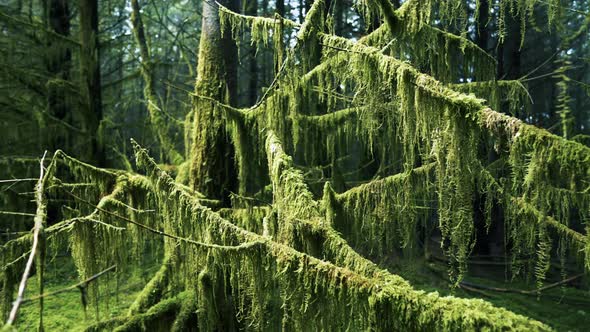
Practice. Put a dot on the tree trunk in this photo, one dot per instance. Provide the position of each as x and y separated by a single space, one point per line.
339 20
252 9
230 56
483 34
158 122
90 76
212 161
58 63
511 48
280 7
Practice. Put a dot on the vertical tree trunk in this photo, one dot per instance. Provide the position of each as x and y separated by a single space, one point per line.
90 75
58 63
212 166
339 21
513 51
252 9
483 34
509 50
280 7
230 56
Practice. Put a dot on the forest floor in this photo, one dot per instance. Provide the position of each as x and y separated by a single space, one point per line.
65 311
563 308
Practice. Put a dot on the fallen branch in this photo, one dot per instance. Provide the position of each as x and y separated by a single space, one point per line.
12 213
81 284
473 286
18 180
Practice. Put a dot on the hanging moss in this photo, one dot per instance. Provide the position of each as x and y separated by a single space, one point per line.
454 13
453 137
498 93
446 56
262 29
257 271
384 215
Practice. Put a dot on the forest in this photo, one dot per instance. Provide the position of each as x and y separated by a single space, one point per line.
299 165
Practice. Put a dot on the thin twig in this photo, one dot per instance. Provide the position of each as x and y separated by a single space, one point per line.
12 213
18 180
469 286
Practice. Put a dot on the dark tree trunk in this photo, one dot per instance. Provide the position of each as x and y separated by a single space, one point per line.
483 34
281 7
90 75
339 21
230 56
58 63
252 10
512 50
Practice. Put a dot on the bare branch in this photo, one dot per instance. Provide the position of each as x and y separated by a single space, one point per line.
38 228
81 284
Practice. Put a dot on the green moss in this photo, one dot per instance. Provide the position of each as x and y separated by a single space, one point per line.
154 290
277 269
385 215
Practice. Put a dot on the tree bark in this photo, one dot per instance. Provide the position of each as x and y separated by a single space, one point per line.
252 10
509 50
158 122
90 75
281 7
230 56
212 161
58 64
483 34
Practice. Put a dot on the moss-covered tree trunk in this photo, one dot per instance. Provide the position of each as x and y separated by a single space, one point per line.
156 116
91 114
211 160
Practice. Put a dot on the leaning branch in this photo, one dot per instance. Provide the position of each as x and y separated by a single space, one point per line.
38 229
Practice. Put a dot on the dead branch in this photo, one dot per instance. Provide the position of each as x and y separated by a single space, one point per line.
81 284
472 286
38 228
